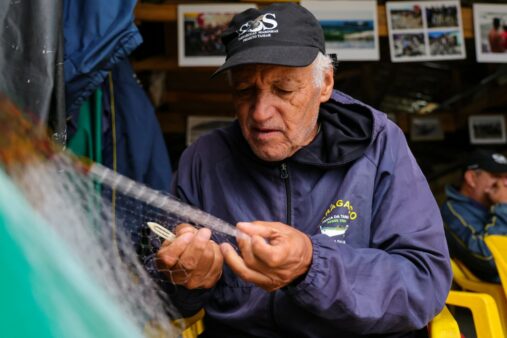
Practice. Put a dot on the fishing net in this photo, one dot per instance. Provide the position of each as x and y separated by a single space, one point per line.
100 217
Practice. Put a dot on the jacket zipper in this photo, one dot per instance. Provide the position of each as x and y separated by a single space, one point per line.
284 174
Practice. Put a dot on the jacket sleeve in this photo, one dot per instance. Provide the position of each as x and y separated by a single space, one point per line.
401 281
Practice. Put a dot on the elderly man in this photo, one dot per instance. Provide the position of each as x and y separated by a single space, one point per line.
476 209
344 236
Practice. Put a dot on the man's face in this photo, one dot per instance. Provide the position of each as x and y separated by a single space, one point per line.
277 107
486 182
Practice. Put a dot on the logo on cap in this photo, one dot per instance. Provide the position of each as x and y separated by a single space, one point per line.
499 158
261 27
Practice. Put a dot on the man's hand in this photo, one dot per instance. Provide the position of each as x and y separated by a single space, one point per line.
192 259
273 256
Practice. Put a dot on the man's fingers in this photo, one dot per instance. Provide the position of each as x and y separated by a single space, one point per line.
256 228
191 256
183 228
270 255
170 254
215 271
239 267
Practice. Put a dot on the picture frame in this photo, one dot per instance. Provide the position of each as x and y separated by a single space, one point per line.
350 28
426 129
425 30
490 43
200 27
200 125
487 129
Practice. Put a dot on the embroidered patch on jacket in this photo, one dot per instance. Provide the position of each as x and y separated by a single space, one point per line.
337 219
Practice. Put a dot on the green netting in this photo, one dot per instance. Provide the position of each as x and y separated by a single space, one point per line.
44 291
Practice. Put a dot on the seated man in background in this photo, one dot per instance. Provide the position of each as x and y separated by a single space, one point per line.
344 237
476 209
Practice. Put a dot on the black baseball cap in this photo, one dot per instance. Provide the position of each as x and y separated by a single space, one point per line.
285 34
487 160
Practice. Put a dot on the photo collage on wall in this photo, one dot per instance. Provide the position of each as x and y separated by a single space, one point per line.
425 30
417 30
350 28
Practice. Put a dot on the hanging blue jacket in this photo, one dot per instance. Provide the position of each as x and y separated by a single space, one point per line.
139 146
97 35
380 260
466 223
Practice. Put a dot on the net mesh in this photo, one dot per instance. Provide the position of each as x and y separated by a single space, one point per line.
102 216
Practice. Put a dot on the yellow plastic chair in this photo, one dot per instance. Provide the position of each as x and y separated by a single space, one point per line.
497 244
191 327
469 282
194 325
484 312
444 325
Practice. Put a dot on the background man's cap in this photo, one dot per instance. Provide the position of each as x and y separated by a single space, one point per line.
285 34
487 160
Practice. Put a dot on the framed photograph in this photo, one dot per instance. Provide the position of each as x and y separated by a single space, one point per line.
350 28
200 125
426 129
487 129
490 28
199 30
425 30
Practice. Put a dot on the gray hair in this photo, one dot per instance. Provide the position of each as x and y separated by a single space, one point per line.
321 65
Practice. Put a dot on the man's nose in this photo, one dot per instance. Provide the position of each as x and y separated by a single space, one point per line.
263 106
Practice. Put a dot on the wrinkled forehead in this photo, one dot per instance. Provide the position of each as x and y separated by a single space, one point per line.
270 73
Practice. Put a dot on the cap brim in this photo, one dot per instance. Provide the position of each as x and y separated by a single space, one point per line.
494 168
291 56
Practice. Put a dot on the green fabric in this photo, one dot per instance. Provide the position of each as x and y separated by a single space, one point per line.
44 291
87 141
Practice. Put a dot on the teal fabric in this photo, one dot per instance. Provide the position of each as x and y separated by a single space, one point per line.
87 141
44 291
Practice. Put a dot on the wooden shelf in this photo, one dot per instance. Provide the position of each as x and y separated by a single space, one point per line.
168 12
165 63
207 98
155 12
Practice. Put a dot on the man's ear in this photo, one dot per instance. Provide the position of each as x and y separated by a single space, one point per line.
327 86
469 178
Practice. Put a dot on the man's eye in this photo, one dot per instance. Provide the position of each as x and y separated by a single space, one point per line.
243 91
282 91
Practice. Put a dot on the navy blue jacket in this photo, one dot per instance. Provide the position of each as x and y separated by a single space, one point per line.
380 260
97 35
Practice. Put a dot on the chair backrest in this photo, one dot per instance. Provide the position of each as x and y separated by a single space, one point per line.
484 312
467 281
497 244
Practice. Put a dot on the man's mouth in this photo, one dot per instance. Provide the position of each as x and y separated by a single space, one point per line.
263 134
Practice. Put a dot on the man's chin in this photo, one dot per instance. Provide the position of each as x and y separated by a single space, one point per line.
269 155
